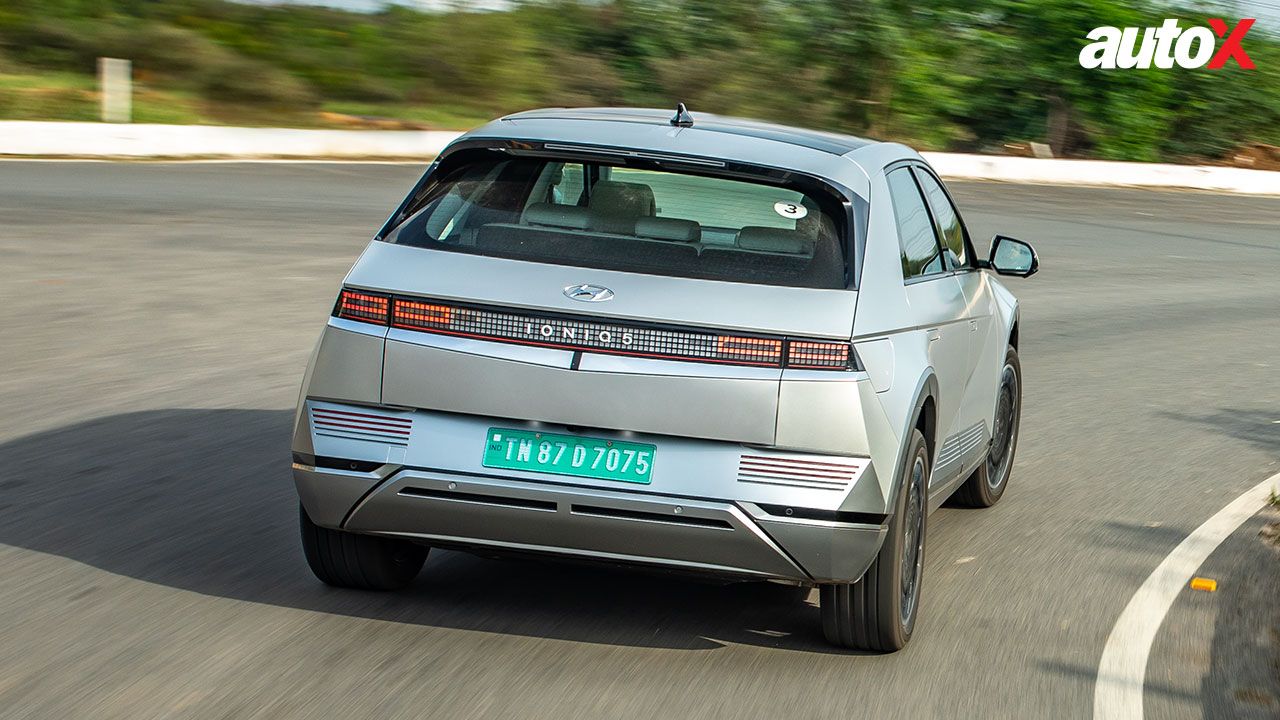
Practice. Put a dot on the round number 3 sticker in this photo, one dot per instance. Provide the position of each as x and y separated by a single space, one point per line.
790 210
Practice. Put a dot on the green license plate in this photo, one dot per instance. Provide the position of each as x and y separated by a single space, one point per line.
568 455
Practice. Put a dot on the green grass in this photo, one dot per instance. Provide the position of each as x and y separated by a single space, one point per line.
46 81
443 118
35 95
47 96
68 96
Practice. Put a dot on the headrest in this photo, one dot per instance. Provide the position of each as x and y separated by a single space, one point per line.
615 206
767 239
669 229
622 198
554 215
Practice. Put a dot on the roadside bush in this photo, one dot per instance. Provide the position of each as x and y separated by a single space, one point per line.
8 64
1215 113
164 49
490 61
240 80
583 80
338 82
60 45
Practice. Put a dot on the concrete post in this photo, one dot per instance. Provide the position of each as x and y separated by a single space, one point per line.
115 86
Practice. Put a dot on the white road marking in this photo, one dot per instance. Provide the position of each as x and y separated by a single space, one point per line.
1123 668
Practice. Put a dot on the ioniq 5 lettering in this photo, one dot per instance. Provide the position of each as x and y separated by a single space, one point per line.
693 342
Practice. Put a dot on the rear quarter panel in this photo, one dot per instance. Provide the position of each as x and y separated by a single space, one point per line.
882 319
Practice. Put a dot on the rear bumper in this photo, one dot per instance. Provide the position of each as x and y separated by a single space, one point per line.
455 509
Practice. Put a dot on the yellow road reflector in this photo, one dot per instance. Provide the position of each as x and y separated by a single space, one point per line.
1204 584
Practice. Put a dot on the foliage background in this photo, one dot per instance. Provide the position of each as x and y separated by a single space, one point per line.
956 74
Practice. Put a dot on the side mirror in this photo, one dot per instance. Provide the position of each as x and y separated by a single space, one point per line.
1012 257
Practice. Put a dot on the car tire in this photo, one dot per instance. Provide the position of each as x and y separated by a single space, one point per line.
878 611
987 484
363 562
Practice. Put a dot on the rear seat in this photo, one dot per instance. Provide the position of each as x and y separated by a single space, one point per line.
574 217
670 229
767 254
762 254
556 215
550 230
774 240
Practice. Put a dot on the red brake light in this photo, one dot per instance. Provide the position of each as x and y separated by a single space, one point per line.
763 351
363 307
818 355
413 314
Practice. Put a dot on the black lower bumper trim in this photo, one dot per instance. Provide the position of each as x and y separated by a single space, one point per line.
332 463
650 517
828 515
498 500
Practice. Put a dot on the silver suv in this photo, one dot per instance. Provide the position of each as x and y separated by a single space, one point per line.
704 344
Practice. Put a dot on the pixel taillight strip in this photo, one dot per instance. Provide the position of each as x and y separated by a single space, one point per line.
808 354
365 307
592 336
417 315
749 349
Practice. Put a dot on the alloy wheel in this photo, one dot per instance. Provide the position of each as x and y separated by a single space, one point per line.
1006 428
913 541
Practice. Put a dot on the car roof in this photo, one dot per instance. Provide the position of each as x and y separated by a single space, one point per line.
844 159
829 142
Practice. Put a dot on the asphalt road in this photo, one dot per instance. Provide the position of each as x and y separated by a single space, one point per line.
154 324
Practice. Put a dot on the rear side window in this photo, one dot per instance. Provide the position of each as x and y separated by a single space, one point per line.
953 233
921 254
631 219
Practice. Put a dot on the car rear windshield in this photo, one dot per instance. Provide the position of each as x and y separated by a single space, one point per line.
631 219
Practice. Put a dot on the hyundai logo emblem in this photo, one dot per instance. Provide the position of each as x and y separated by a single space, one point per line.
588 293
